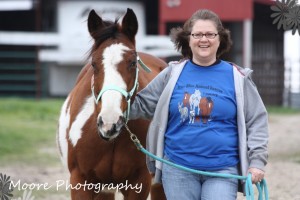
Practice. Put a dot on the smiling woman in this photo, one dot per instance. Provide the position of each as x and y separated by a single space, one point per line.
200 118
204 49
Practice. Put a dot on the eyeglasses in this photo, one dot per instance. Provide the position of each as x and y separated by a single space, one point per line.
207 35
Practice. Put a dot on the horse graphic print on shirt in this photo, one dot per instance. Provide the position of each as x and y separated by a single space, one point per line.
203 97
195 106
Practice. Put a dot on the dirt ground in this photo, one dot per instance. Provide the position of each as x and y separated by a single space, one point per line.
282 174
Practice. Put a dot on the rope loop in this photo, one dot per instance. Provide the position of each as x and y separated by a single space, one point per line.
134 139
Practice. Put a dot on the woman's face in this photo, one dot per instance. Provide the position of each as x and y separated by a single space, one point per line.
204 49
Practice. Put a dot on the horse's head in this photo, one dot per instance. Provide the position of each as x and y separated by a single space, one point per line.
114 61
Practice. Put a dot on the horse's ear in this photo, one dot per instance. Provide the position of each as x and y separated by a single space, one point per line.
130 24
94 22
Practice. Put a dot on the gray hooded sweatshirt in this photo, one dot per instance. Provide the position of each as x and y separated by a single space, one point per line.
153 103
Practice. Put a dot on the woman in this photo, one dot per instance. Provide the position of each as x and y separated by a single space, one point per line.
206 115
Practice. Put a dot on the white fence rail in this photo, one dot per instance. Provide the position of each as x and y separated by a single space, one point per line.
75 50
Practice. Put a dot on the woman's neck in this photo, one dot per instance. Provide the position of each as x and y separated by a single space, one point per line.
205 63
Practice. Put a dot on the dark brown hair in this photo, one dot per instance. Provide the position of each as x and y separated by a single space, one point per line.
181 35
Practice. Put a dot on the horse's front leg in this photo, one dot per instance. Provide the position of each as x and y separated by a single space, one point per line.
138 188
77 182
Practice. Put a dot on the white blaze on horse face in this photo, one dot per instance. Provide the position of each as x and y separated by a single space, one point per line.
111 100
76 128
64 121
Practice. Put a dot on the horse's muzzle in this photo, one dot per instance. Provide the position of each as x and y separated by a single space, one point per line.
110 131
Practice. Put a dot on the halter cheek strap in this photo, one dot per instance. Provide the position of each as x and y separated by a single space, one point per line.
126 94
147 69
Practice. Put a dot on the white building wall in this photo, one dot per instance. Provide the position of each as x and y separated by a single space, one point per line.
74 41
292 69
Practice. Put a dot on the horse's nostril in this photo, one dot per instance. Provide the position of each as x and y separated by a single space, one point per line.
116 127
121 121
100 121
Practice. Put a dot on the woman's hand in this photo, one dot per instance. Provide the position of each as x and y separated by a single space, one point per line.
257 174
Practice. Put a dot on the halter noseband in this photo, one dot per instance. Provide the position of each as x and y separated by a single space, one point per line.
126 94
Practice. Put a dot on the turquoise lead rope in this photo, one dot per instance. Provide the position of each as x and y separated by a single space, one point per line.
261 187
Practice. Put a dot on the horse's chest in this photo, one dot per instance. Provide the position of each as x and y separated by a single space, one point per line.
109 159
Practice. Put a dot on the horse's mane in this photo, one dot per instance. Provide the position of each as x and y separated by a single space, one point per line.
110 30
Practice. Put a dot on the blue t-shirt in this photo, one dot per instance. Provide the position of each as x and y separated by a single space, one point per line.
202 124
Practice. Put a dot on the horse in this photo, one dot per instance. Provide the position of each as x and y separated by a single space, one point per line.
91 137
186 99
206 105
195 100
184 112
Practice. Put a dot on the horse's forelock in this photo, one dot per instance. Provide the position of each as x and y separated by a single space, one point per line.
111 30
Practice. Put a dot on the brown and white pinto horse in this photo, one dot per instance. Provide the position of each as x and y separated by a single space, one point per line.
112 160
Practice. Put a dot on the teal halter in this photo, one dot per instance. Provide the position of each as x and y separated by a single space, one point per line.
126 94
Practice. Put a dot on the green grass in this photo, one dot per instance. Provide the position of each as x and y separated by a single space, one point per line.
26 127
28 137
282 110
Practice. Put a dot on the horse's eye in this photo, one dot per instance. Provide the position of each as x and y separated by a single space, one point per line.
95 68
133 64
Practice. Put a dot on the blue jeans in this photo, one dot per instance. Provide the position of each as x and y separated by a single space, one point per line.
182 185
